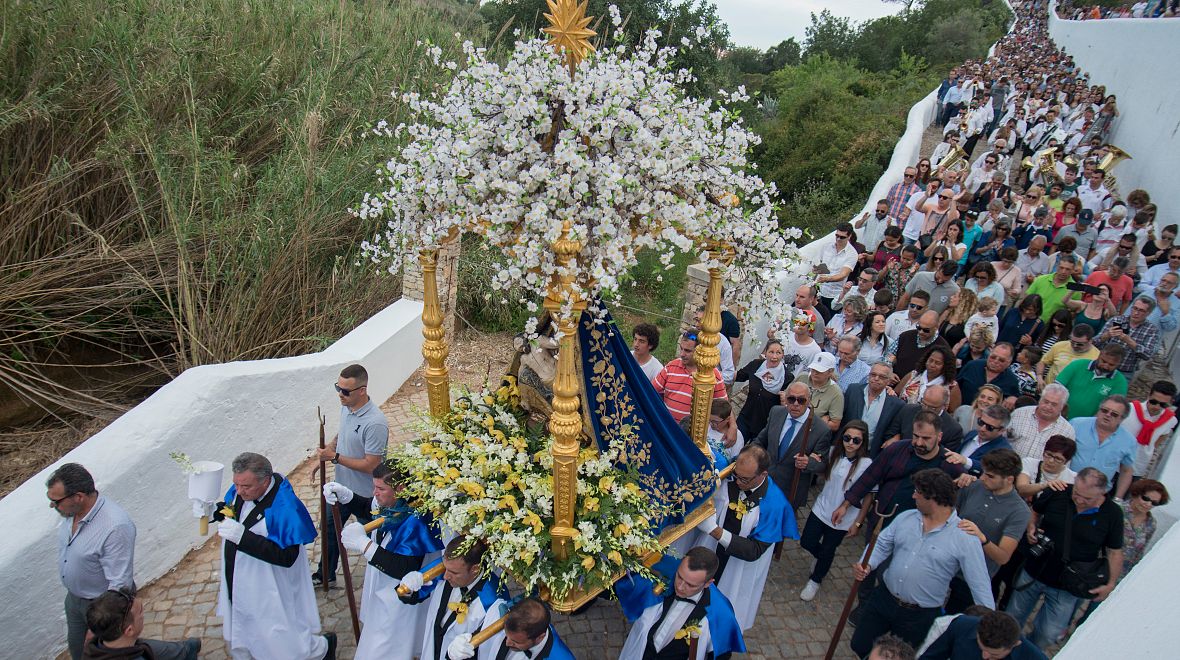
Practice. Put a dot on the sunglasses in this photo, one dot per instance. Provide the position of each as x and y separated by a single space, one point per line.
1156 402
917 307
346 392
842 238
908 176
991 427
796 399
1112 413
925 330
852 439
937 259
945 196
53 504
1150 501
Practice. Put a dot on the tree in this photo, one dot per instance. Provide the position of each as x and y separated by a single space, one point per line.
786 53
829 35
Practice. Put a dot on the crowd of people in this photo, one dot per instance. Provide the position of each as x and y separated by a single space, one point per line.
1140 9
952 390
961 363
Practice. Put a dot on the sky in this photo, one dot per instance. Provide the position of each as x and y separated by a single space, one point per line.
765 23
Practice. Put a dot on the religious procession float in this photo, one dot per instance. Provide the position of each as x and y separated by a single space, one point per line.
569 158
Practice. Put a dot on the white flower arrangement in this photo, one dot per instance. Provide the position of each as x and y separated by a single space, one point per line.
514 152
481 472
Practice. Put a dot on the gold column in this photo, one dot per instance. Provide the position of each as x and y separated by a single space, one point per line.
434 349
707 356
565 423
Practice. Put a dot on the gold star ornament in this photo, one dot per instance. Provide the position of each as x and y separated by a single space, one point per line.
568 31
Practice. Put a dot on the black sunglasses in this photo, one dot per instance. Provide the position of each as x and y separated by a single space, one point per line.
796 399
1157 402
852 439
1150 501
345 392
984 425
53 504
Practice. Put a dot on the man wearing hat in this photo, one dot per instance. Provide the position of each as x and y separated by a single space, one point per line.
827 399
1041 225
1083 232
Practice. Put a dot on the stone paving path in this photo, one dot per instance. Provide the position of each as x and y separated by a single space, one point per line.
183 602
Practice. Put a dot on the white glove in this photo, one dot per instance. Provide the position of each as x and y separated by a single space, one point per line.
354 538
461 648
231 530
707 525
412 581
334 492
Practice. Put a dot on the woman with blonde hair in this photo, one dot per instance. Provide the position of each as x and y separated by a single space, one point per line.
1028 204
988 395
978 343
960 308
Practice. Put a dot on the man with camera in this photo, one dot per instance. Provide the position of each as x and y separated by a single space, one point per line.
1069 533
1135 333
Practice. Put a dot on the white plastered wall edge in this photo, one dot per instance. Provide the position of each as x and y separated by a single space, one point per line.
212 413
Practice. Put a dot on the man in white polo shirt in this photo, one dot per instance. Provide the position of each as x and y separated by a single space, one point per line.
838 257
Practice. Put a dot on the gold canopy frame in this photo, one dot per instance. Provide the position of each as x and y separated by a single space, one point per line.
570 36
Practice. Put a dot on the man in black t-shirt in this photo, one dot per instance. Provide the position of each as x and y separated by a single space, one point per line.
1095 526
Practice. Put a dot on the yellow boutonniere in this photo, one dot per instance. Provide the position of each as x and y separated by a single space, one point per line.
460 610
690 629
227 512
740 508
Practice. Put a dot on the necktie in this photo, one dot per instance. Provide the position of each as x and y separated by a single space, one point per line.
785 443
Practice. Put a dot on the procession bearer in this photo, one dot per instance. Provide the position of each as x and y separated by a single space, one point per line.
266 601
527 635
395 548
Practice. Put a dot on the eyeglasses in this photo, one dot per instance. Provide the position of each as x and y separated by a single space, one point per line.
852 439
1057 458
1112 413
984 425
796 399
53 504
908 176
1157 402
842 238
346 392
737 478
1148 500
937 259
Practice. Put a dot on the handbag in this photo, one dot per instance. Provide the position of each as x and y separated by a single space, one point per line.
1079 577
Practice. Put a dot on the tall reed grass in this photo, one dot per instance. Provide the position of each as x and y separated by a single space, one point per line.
174 178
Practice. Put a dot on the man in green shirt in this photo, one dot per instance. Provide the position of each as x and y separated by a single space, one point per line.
1051 287
1091 381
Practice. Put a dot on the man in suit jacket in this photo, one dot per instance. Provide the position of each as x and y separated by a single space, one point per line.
987 437
790 448
873 404
934 400
997 633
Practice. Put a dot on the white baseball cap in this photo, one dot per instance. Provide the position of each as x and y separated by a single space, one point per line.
823 362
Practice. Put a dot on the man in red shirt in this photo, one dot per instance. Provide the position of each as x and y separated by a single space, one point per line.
674 382
1115 276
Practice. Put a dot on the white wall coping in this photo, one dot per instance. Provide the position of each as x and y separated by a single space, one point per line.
210 412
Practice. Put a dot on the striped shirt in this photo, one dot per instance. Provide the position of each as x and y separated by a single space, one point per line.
99 556
674 384
898 195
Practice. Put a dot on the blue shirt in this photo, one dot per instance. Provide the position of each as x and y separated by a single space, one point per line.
924 562
974 376
1117 450
857 372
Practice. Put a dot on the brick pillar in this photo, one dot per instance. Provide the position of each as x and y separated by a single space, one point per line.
696 285
448 282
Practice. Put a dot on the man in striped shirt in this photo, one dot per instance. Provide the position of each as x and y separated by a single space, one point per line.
901 192
96 544
674 382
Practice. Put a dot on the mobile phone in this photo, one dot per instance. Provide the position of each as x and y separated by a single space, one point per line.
1084 288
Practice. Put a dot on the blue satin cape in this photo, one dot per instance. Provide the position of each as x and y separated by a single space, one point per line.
776 520
287 521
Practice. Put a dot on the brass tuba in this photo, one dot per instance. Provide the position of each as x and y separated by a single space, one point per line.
955 159
1113 157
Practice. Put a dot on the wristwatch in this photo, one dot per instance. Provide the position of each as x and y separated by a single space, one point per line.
336 459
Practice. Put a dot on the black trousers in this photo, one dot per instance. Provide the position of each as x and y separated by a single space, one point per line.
362 508
822 542
883 613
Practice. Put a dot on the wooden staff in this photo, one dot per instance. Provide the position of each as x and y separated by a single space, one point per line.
427 576
488 632
323 507
693 640
356 622
852 592
805 431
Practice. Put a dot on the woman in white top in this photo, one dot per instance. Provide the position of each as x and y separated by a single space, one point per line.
874 343
952 241
1051 471
821 537
938 368
982 280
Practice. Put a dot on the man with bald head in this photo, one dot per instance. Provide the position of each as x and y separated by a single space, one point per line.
795 438
934 400
907 352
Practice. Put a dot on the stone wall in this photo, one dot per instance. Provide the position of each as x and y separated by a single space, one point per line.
448 283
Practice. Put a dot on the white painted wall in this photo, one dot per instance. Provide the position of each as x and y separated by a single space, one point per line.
1134 59
212 413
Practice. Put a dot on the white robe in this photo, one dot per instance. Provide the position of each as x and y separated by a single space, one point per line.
472 624
392 629
637 638
742 581
273 615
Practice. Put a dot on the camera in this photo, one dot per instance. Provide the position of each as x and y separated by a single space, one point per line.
1042 545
